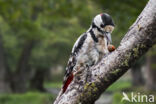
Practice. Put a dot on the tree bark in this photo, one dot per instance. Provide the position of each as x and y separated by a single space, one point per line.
137 78
4 83
140 37
37 81
21 76
136 71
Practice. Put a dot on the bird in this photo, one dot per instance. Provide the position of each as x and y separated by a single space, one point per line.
90 47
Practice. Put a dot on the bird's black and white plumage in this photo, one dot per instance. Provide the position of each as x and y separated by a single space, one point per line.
90 47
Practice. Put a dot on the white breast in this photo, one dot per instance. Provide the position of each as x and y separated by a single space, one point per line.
92 52
102 45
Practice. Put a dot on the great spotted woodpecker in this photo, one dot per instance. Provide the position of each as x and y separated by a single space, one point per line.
90 47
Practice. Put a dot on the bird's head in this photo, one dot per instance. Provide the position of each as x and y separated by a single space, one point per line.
104 24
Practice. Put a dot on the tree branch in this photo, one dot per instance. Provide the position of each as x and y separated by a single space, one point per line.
140 37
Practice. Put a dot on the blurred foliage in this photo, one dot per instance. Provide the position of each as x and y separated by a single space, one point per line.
124 13
54 25
53 85
27 98
152 51
119 85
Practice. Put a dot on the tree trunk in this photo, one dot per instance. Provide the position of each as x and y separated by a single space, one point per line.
37 81
4 83
137 78
136 71
140 37
21 76
150 73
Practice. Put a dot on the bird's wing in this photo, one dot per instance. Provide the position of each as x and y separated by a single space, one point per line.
75 51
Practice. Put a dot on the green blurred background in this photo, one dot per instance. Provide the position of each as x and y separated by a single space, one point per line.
36 38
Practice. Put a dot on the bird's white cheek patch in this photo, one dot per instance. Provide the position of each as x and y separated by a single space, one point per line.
98 20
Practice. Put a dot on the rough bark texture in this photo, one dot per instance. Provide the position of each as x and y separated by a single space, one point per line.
140 37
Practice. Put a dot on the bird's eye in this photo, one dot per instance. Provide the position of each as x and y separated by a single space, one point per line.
102 25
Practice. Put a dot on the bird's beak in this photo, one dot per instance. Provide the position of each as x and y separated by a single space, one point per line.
109 37
109 29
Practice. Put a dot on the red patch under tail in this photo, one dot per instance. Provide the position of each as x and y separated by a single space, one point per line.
70 78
